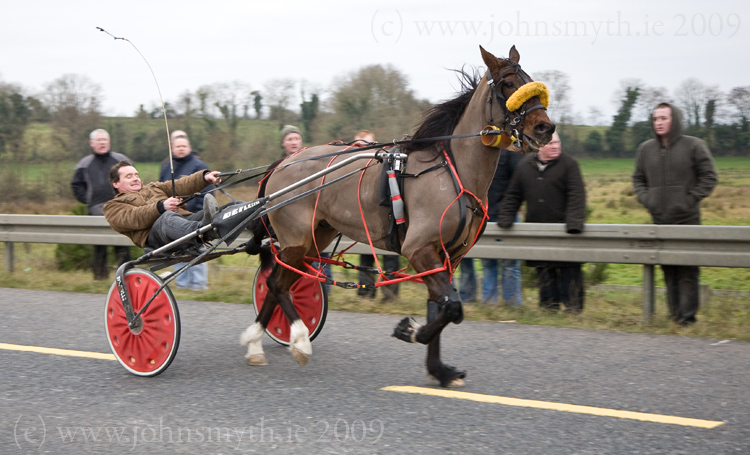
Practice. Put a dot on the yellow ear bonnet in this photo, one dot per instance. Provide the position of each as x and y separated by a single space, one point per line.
527 91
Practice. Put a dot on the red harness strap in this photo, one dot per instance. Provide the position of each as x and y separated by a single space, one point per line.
451 265
448 265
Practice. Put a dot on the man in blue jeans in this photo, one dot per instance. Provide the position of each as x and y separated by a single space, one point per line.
510 278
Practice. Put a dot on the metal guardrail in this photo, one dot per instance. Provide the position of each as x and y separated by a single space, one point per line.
708 246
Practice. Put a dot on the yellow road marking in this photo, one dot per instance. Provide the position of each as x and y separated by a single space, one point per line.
658 418
55 351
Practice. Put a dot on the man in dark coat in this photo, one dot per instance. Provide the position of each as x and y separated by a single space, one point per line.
90 185
186 162
673 173
551 184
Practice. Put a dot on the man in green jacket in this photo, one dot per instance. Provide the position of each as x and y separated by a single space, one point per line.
151 215
673 173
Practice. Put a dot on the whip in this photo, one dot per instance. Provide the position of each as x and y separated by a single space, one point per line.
163 108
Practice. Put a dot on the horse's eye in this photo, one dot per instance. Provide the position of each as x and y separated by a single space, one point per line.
508 85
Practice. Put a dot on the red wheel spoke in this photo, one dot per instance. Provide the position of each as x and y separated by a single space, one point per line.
150 349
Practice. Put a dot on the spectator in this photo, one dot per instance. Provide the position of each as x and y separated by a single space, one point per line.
151 215
510 278
91 186
673 173
291 140
551 184
390 261
186 162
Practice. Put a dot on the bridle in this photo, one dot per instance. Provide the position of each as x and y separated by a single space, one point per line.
514 108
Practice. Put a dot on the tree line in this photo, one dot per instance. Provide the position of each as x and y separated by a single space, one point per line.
232 125
721 119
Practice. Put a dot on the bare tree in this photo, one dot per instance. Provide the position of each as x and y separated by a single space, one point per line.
374 97
279 95
649 98
558 83
692 95
596 117
74 103
231 98
739 98
203 96
185 105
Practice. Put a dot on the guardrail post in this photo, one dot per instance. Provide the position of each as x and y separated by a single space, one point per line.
649 292
9 257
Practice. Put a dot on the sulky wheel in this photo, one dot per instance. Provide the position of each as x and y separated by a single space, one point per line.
149 350
310 300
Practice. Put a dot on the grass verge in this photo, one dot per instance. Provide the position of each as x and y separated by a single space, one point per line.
231 279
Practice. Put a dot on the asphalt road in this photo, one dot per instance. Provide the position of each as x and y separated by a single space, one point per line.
210 401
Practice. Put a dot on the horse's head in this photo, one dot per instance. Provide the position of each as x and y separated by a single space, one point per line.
517 104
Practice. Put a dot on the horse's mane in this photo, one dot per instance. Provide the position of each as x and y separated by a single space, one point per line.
441 119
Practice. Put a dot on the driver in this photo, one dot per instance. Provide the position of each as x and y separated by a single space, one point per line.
151 215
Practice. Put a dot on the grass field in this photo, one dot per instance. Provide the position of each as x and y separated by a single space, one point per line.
610 200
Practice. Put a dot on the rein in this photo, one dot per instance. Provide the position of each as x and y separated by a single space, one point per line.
353 150
511 114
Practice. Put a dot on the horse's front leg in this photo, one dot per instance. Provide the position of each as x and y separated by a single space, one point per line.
443 307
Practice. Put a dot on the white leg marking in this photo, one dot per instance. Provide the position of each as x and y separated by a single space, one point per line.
299 342
253 338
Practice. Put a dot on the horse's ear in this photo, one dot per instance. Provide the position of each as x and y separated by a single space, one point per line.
493 63
513 54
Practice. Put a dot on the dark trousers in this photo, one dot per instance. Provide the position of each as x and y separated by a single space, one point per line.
389 263
171 226
561 285
101 270
682 292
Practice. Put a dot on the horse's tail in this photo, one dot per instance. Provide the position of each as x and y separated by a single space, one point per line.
256 246
266 258
259 233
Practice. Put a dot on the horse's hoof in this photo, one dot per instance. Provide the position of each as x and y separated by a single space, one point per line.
257 360
406 330
454 383
300 357
458 382
449 376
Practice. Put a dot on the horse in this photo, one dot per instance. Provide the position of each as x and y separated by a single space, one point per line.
444 207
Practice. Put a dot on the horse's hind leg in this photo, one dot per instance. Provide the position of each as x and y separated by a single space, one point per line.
283 279
443 307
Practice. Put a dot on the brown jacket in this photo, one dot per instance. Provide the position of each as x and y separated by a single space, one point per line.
133 214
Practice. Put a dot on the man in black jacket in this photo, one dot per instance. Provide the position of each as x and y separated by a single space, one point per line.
551 184
673 173
91 186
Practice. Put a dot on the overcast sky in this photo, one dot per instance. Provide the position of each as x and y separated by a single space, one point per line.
190 43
